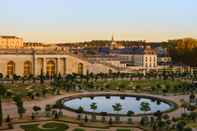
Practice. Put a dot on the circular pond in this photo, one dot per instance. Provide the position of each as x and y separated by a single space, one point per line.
127 103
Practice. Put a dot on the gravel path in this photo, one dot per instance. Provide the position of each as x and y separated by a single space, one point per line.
73 126
10 107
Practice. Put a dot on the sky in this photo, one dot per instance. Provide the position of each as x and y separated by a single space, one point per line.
83 20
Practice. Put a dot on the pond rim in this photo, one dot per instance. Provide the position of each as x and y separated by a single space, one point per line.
173 105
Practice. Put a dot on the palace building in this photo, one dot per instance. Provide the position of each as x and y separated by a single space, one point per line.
33 59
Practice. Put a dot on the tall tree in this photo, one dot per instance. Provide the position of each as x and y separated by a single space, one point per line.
19 103
182 50
145 107
117 108
184 104
41 77
2 93
93 106
80 111
57 84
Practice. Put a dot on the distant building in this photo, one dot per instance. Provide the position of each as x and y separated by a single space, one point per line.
164 60
115 45
11 42
138 57
163 56
143 57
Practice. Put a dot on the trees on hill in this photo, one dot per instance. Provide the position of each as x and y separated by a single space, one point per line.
182 50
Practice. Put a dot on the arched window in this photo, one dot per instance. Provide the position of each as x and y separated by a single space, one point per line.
51 68
27 68
80 68
10 68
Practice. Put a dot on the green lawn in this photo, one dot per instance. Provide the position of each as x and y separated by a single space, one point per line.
129 84
79 129
192 125
51 126
58 126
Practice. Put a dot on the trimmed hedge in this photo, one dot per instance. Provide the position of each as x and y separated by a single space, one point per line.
123 129
78 129
51 126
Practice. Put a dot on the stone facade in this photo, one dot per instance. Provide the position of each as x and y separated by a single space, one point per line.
30 58
26 62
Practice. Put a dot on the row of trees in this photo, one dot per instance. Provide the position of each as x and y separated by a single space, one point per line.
117 107
183 51
73 82
163 74
106 43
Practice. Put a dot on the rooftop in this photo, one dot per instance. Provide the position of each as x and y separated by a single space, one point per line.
31 51
9 37
136 50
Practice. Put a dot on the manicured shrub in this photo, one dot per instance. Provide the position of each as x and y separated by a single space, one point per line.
36 108
78 129
50 126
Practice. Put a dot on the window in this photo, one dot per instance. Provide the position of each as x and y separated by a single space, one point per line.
10 68
51 68
27 68
80 68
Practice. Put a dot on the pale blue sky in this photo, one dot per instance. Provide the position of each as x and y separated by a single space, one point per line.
79 20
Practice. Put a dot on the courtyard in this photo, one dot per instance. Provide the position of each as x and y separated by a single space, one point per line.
36 97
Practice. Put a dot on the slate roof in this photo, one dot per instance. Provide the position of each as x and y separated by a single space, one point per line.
135 51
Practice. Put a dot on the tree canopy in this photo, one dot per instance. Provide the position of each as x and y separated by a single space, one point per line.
183 51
